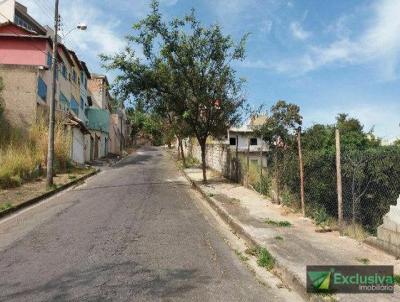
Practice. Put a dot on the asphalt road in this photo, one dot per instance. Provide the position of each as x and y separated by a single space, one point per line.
131 233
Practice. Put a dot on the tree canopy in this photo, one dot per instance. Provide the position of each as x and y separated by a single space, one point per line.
185 72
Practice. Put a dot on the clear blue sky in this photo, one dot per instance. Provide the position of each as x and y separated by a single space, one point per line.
326 56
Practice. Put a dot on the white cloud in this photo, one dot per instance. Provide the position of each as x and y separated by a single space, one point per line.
379 43
298 32
266 26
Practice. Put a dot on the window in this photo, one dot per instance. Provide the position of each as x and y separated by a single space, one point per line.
253 142
42 89
74 106
74 76
232 141
82 104
49 60
64 71
64 104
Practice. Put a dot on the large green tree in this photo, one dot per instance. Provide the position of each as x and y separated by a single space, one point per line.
188 67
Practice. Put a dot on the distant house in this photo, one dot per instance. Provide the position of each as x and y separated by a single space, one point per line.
120 129
99 114
243 139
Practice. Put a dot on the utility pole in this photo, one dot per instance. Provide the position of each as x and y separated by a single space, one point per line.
52 118
121 133
301 168
339 181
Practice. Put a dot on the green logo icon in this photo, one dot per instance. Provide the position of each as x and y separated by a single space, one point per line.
320 280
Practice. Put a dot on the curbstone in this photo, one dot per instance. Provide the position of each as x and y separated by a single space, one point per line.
279 270
46 195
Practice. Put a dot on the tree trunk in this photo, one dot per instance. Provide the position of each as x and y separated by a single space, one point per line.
203 160
181 153
277 176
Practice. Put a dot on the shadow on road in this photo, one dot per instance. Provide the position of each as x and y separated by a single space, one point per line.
109 281
133 160
173 183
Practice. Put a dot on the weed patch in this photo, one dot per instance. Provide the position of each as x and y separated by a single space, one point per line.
5 207
283 223
264 258
363 260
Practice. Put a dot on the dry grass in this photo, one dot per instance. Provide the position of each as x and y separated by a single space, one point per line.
355 231
14 196
22 156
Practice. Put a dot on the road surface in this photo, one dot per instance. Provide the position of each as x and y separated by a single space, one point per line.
131 233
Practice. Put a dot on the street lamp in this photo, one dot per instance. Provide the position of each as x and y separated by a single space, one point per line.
80 26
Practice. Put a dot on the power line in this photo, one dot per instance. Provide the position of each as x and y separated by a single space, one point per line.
22 36
45 9
46 53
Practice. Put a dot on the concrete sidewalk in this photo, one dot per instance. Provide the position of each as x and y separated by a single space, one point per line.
293 247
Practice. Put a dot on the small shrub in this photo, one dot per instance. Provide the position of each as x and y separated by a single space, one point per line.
278 237
263 185
265 259
320 216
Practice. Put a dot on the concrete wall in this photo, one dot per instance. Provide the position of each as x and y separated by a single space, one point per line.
218 156
7 9
221 157
115 134
20 94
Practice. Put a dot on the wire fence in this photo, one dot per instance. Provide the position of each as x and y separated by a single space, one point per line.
370 182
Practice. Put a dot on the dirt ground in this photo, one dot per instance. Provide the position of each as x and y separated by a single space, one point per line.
15 196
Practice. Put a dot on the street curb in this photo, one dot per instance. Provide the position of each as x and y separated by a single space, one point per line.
45 195
279 270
